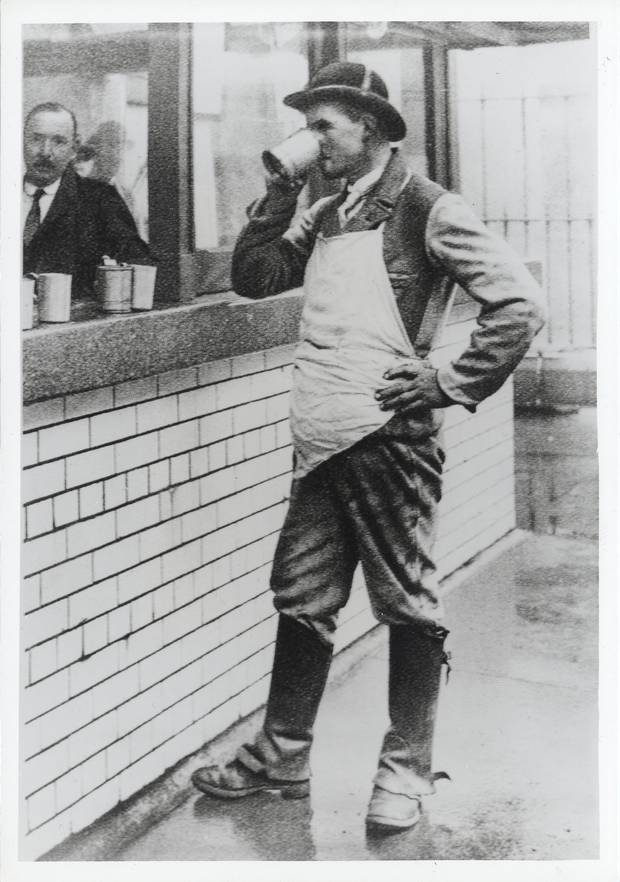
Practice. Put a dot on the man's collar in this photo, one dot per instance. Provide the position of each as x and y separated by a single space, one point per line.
363 184
50 189
381 199
393 179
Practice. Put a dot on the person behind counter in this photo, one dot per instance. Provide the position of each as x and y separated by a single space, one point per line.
69 222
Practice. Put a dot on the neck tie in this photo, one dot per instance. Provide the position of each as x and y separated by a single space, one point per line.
353 198
33 220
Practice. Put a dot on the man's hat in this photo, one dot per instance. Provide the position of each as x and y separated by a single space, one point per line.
354 84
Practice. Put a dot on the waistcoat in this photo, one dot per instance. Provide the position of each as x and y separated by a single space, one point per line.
405 212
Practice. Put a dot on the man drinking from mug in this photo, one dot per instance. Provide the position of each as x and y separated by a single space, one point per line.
69 222
378 263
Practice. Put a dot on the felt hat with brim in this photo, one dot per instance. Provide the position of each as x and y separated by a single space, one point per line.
351 83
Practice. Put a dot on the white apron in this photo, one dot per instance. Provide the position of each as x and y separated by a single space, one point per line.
351 333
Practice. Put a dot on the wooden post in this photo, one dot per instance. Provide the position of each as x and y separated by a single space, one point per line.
437 109
326 44
170 149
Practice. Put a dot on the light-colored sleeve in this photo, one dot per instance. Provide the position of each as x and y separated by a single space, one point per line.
511 302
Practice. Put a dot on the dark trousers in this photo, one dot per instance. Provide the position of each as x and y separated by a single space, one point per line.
374 504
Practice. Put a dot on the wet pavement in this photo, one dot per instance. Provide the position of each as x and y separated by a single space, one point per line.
517 732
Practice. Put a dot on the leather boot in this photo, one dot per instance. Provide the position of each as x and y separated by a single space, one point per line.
405 763
278 758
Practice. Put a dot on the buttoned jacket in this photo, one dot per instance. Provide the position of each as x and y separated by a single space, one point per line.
432 242
86 220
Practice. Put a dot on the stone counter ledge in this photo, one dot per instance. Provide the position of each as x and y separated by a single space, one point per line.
87 354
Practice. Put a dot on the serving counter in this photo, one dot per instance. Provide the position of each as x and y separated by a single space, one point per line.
156 469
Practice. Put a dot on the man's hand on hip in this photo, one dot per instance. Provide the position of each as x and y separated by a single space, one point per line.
415 386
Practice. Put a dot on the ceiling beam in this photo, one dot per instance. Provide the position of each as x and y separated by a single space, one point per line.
474 34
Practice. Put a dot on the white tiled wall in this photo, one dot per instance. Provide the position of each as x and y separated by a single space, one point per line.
151 512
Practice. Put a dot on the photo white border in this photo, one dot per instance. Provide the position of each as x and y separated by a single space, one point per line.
604 13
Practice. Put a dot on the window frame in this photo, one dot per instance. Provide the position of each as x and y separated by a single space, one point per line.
164 51
208 270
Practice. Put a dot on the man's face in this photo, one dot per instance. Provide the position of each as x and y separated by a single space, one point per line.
342 141
49 146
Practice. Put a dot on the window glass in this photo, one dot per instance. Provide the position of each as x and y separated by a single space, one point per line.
388 51
111 111
524 145
241 72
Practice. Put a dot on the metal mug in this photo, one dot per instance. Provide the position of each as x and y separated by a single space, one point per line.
54 297
142 286
291 158
113 287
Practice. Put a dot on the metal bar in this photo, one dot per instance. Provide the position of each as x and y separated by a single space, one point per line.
549 324
483 160
453 123
593 281
526 236
571 283
571 292
525 168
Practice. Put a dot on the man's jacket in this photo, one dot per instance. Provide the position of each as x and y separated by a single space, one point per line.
86 220
431 242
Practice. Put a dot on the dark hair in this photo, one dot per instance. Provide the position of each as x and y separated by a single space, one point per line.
52 107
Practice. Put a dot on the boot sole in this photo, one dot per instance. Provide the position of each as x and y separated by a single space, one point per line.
383 821
288 790
391 823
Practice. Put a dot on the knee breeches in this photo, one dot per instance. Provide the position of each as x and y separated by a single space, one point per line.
374 504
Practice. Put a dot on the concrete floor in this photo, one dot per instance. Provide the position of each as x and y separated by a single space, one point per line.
517 725
517 731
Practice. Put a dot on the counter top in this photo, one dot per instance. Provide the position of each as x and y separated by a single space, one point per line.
95 350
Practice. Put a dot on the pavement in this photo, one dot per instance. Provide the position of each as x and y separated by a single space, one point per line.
517 723
517 732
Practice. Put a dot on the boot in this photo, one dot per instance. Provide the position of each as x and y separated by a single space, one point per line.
278 759
405 763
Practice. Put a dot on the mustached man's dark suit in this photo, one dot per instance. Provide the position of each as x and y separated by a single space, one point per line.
86 220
